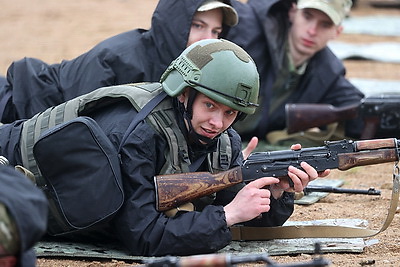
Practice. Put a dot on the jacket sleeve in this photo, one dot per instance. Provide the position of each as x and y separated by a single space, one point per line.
334 87
325 83
143 229
36 85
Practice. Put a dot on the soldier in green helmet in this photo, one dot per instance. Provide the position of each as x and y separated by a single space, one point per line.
181 124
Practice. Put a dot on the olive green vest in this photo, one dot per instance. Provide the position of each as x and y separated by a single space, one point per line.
161 118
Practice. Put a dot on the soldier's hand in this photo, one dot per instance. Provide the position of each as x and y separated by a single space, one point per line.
250 147
250 202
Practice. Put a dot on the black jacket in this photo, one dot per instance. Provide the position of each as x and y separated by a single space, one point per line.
262 31
134 56
28 206
138 225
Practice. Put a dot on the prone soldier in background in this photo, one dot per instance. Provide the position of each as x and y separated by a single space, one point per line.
288 41
133 56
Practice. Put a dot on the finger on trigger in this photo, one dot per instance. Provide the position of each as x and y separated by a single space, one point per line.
264 181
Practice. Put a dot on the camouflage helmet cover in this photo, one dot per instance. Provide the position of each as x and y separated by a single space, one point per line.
218 68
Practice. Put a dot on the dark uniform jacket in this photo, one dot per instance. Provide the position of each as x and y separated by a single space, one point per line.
134 56
28 206
262 31
138 225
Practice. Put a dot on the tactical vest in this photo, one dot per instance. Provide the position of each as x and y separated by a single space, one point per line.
162 118
64 183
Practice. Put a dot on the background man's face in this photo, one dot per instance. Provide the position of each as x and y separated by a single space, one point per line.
311 30
206 25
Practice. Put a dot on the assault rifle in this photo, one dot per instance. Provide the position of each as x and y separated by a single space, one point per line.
381 115
173 190
229 260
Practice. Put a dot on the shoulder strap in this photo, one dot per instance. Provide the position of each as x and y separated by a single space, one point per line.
171 133
143 113
221 159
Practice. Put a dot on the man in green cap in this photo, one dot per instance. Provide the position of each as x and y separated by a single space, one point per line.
288 41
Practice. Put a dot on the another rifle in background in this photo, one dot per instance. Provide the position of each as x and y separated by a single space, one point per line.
332 189
308 190
381 115
173 190
230 260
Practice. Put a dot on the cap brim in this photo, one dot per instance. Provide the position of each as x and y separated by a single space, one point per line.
231 17
322 6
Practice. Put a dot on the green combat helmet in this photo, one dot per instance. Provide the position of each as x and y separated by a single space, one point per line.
218 68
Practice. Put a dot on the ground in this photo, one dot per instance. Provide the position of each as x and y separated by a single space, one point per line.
55 30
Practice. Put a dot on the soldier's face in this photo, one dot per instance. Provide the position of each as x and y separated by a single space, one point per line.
206 25
310 31
210 118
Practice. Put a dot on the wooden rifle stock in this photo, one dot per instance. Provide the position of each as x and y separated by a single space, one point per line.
173 190
300 117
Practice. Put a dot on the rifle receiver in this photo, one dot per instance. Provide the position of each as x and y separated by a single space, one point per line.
276 163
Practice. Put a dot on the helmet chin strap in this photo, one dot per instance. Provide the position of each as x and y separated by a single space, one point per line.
195 137
188 115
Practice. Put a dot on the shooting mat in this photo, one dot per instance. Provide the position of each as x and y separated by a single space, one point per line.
53 247
66 249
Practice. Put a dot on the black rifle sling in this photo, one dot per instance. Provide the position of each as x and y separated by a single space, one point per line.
319 231
143 113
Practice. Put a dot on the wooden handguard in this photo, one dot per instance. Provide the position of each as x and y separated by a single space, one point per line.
376 144
173 190
370 152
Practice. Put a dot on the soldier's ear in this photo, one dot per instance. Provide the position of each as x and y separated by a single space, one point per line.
184 96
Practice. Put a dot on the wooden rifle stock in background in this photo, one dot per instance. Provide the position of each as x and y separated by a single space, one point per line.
173 190
381 115
301 117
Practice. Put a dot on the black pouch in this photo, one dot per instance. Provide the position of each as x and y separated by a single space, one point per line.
81 176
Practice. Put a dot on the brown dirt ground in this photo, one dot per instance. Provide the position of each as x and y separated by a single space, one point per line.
56 30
